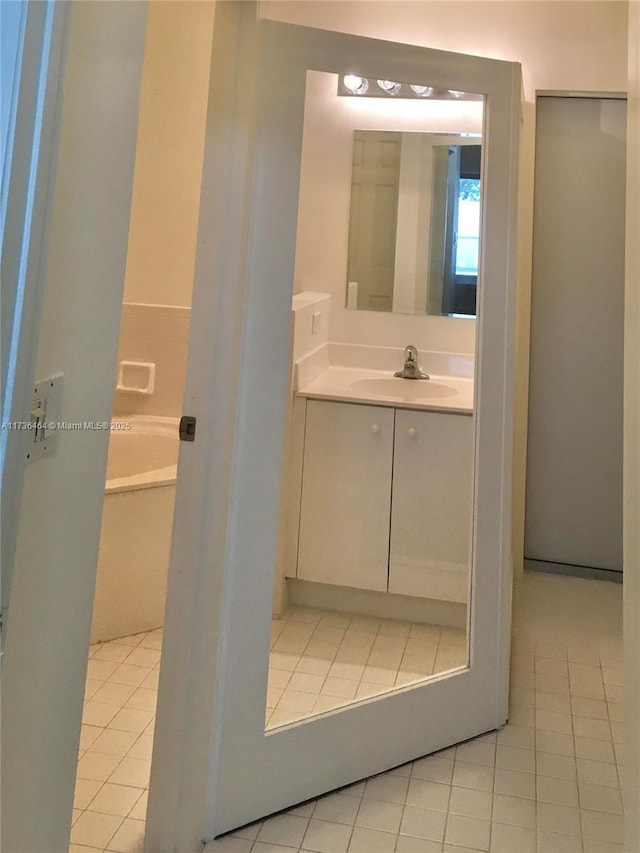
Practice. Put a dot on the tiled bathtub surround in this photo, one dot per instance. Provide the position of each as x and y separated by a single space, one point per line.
548 782
159 335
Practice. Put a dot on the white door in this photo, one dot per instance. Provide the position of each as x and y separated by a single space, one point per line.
574 454
32 52
375 181
215 767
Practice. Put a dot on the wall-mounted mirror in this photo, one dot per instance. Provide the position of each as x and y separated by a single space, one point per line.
414 226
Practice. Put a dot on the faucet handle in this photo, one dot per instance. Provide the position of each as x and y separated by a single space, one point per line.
411 353
411 369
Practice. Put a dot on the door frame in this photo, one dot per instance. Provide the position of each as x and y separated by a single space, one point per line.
32 146
45 661
226 477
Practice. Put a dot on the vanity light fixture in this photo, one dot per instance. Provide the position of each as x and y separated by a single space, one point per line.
353 85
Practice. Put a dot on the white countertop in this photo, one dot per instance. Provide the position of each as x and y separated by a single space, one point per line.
379 387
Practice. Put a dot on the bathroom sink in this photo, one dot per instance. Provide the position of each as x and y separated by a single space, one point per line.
404 389
361 385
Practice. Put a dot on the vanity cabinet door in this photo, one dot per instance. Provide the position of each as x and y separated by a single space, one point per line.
431 515
346 495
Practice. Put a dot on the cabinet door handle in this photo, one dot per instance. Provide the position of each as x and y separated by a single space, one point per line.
412 432
375 428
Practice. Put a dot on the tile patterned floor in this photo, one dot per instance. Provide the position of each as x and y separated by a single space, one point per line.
548 782
115 745
322 660
319 660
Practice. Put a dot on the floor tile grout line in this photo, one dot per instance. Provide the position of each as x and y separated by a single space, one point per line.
300 654
611 711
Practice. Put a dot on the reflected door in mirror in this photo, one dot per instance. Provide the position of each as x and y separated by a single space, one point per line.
374 208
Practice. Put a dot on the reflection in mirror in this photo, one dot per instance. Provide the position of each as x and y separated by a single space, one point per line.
334 658
376 526
414 226
373 568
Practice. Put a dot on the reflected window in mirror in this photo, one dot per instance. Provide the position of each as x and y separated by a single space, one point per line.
459 273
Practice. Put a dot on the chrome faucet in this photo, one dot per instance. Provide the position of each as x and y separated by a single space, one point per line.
411 369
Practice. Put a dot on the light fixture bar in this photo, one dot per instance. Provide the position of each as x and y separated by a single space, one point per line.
353 86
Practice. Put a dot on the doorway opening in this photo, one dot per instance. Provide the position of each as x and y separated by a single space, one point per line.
135 543
573 519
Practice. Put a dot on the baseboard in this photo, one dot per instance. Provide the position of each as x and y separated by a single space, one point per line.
573 571
385 605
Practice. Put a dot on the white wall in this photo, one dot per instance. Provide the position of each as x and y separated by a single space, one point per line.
54 574
325 197
168 170
569 45
579 46
631 519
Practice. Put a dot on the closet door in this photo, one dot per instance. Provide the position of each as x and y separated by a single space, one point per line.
574 468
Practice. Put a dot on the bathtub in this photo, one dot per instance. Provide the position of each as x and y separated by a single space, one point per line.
137 520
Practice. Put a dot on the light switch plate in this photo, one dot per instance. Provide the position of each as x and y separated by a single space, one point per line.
44 418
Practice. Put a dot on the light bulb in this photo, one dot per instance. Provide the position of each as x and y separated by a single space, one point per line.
356 85
389 86
422 91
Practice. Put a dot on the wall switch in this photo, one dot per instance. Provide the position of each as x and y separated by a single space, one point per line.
44 419
315 322
352 295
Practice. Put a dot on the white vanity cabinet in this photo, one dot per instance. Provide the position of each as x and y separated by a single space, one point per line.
432 505
386 500
346 495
